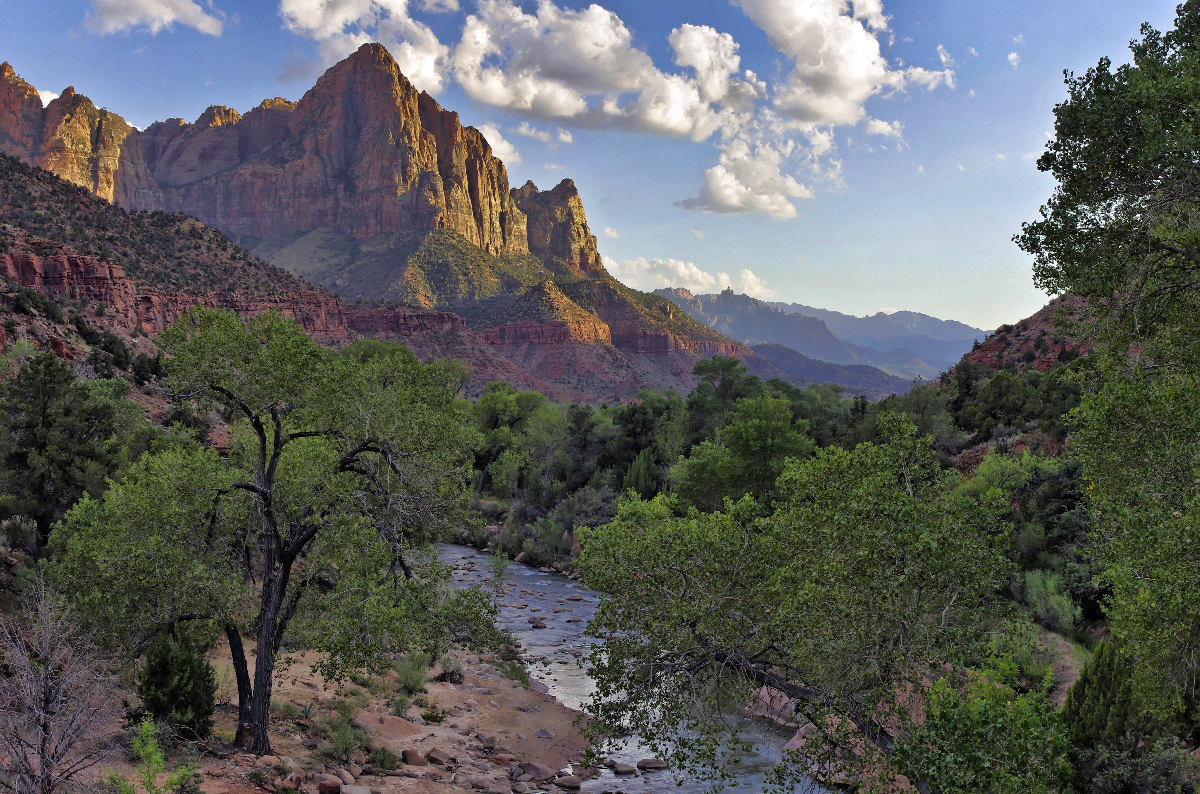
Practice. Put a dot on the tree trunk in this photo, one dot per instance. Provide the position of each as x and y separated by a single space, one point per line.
264 670
241 671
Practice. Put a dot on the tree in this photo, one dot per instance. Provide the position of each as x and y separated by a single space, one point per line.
55 443
179 686
1119 231
317 526
58 705
870 575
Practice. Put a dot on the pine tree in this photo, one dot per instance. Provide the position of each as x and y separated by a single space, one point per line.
179 686
643 474
1100 704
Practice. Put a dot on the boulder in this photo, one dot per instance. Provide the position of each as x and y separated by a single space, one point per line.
328 784
537 771
542 733
652 764
413 757
623 769
356 790
354 769
344 776
569 782
214 771
436 756
385 727
358 757
499 787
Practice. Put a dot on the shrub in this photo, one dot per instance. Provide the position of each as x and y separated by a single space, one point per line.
433 715
27 301
400 705
412 672
285 708
385 759
516 672
452 670
179 686
258 777
1051 606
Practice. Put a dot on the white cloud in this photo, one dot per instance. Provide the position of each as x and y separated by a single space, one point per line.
46 96
341 26
565 136
112 16
946 58
893 129
1017 39
1014 60
699 235
650 274
529 131
552 167
439 6
920 169
837 61
1000 158
973 51
500 147
611 232
749 179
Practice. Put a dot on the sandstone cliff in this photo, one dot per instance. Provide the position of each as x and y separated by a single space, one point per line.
557 226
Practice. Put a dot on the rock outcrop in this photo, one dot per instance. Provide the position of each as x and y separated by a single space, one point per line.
557 226
402 321
551 332
20 115
62 272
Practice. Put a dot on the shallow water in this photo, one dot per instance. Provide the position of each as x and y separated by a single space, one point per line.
528 593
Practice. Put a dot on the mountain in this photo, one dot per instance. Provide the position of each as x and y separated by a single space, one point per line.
1036 342
370 189
928 337
801 370
754 322
61 239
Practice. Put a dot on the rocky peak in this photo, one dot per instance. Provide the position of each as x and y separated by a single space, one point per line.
216 116
557 226
20 115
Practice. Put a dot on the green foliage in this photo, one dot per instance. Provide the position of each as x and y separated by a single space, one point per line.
353 468
642 477
869 571
981 737
152 762
179 686
285 708
56 443
400 705
147 368
384 759
27 301
412 672
1051 606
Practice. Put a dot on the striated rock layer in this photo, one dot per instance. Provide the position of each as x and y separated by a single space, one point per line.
78 277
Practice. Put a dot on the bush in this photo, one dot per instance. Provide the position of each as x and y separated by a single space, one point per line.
452 670
400 705
412 672
147 368
258 777
28 301
1051 606
285 708
179 686
385 759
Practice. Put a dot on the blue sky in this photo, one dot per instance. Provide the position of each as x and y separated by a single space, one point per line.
853 156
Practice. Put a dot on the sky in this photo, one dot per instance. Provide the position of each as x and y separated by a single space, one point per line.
856 156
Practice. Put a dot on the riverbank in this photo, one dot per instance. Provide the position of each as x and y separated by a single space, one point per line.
497 736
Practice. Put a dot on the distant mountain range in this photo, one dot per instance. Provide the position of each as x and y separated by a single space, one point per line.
930 338
888 342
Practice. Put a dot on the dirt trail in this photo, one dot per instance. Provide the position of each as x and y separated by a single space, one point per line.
1064 662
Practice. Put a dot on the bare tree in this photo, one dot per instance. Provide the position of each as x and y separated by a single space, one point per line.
59 708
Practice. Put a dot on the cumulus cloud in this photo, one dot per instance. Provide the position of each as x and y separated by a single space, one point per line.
651 274
565 136
945 57
500 147
112 16
837 64
439 6
893 129
46 96
1014 60
749 179
611 232
529 131
341 26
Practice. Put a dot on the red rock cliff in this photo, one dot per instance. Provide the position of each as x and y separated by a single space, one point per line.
402 321
557 226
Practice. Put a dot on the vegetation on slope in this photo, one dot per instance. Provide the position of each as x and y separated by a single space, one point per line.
158 250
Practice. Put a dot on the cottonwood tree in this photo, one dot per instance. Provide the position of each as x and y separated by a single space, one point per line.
1121 229
315 528
59 707
867 582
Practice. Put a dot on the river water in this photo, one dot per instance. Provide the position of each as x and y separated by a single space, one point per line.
564 608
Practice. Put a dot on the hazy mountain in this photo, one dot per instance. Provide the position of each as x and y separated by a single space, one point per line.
930 338
752 322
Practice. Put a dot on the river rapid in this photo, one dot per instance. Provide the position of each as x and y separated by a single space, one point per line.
564 608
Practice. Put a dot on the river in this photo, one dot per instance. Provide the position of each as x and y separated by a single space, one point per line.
565 607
